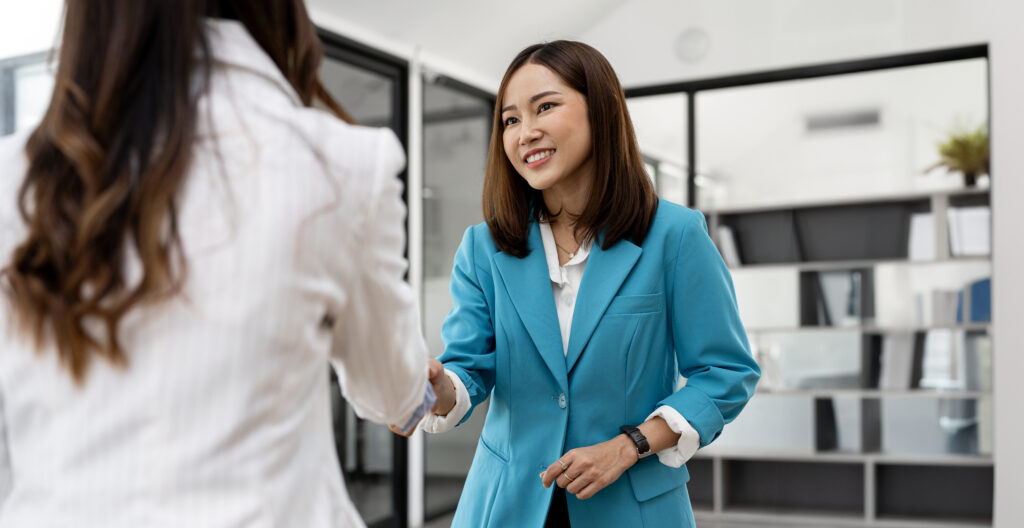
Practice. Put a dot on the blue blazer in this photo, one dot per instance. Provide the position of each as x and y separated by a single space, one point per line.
644 316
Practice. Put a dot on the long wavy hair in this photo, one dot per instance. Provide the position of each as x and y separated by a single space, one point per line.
107 161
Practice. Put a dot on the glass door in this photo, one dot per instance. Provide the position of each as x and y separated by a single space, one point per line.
372 88
456 130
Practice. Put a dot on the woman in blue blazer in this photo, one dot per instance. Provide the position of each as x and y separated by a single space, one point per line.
576 308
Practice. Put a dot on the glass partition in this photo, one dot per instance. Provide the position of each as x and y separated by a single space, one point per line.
456 130
856 135
367 95
660 125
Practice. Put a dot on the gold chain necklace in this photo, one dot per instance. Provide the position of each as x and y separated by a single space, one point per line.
567 252
559 246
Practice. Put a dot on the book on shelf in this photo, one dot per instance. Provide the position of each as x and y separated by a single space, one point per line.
840 301
976 362
939 362
921 245
970 231
977 297
985 432
937 307
897 369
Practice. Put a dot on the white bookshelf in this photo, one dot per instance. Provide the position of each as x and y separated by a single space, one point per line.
868 487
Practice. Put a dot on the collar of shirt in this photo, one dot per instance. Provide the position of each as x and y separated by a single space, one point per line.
232 46
551 254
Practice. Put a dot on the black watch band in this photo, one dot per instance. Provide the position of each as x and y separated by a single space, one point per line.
642 447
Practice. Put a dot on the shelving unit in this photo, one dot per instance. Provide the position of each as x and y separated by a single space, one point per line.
852 264
876 393
840 489
827 486
811 241
871 329
855 428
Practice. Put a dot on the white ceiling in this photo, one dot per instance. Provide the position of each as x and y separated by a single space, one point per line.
475 39
475 36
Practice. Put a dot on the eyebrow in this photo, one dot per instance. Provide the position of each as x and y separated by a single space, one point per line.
532 99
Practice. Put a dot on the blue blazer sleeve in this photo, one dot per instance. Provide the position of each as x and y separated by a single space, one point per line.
710 342
468 330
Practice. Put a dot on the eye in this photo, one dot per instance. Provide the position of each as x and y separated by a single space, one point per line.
511 121
545 106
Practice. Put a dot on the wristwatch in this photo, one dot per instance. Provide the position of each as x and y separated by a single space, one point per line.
643 449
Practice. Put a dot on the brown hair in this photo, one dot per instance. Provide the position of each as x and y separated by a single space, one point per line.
622 200
112 151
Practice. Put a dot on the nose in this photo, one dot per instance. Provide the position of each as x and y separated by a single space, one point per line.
529 133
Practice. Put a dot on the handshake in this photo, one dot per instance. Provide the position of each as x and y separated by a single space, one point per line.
443 389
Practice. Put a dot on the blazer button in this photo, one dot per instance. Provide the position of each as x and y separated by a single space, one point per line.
561 400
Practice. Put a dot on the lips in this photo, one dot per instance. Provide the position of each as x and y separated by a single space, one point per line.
538 156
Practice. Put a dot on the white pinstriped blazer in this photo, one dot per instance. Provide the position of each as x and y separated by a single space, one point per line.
222 418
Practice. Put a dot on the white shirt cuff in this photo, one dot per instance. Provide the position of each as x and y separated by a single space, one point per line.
433 423
689 439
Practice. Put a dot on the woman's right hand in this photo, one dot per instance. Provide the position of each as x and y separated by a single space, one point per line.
443 389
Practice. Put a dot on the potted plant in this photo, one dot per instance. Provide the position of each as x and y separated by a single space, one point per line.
965 151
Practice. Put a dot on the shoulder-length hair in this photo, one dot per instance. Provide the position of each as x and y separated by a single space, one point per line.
622 200
113 149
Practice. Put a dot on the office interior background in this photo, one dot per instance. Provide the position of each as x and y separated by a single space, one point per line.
881 293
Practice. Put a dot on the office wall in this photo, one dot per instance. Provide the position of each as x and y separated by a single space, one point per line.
25 29
641 37
1008 292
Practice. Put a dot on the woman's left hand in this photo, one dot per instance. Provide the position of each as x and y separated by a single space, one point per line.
586 470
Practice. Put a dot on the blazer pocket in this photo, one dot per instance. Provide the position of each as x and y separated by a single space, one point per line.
482 488
650 478
636 304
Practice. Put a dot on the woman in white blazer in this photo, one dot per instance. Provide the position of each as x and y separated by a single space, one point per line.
185 243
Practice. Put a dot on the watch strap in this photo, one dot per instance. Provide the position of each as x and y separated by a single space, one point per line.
643 448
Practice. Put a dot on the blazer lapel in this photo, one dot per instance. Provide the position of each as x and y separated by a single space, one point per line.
529 286
604 274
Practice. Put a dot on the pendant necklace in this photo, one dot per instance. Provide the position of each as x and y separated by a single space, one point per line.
567 252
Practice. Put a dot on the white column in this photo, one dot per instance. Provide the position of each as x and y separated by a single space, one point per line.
1006 53
415 194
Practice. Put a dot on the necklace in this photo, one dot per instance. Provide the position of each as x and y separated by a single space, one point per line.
567 252
559 246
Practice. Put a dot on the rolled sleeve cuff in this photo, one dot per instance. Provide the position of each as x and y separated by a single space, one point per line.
439 424
429 398
689 440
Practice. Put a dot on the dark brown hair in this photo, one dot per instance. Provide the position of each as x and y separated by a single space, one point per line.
622 200
112 151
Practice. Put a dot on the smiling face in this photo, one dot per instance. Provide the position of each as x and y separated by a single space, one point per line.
546 131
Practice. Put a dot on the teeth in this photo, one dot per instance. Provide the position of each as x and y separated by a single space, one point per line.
539 156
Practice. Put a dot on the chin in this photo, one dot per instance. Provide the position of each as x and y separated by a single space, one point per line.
540 182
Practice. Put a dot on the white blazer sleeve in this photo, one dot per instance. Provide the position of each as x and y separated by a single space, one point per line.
379 351
6 472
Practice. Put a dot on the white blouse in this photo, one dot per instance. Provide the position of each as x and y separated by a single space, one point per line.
222 418
565 284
